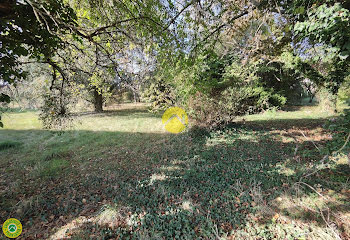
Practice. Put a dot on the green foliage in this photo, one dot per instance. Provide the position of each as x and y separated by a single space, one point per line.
55 113
327 100
30 30
127 96
215 89
28 33
4 99
209 73
326 28
4 145
282 79
329 25
93 43
160 94
233 102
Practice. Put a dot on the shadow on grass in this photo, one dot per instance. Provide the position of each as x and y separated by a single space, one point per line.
204 194
286 124
187 186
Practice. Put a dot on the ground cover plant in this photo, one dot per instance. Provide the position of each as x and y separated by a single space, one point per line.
119 175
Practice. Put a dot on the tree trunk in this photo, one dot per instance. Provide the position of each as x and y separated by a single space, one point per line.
98 101
136 97
7 9
311 98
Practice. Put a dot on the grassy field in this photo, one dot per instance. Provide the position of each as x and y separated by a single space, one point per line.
120 175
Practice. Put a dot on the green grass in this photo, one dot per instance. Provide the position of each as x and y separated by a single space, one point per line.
298 112
8 144
120 174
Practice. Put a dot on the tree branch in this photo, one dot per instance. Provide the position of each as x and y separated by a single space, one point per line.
178 14
224 25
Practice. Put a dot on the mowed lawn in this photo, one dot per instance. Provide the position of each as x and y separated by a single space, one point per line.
120 175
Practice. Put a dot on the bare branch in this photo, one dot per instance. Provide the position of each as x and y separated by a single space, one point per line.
224 25
178 14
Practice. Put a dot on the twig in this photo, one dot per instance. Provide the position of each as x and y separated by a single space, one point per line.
346 142
178 14
317 169
311 188
311 141
327 223
222 26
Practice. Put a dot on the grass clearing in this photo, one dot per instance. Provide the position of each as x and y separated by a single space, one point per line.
296 112
120 174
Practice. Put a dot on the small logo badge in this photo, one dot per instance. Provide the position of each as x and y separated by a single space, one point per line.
175 119
12 228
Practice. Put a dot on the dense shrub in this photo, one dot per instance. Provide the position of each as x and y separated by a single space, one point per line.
327 100
214 90
232 102
160 94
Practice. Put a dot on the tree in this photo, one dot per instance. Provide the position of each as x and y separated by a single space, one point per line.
28 31
105 29
324 27
310 88
109 37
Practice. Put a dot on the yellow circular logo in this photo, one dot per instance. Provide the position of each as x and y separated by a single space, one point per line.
12 228
175 119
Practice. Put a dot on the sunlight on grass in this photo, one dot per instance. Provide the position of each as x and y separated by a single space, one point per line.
187 205
157 177
50 168
306 112
69 228
21 121
108 217
135 122
145 124
313 212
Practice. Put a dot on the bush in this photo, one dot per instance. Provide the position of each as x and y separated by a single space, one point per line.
327 100
127 96
214 89
160 94
232 102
